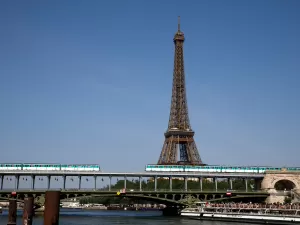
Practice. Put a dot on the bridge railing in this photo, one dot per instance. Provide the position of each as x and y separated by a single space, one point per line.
133 174
130 190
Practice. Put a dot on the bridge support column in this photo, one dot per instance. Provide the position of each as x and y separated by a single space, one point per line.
17 179
2 178
32 182
140 181
109 186
171 211
79 179
170 182
246 184
12 212
216 183
125 179
155 183
185 184
51 213
64 182
257 184
201 183
230 183
49 181
28 211
95 183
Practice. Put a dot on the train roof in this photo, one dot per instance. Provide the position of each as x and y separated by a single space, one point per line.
50 164
228 166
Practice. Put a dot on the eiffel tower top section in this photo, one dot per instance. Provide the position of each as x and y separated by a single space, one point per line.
179 36
179 118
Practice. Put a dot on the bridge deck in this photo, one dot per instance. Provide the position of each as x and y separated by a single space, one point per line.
163 191
130 174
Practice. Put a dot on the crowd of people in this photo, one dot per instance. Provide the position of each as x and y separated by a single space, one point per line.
250 205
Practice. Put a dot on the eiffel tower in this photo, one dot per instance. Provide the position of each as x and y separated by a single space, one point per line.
179 138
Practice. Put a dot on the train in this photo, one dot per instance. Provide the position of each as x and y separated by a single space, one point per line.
217 169
48 167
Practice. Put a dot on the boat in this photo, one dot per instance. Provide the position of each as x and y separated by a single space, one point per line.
203 211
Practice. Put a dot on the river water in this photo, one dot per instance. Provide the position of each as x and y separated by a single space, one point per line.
94 217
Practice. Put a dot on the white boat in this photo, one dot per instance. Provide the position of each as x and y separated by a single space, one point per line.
257 216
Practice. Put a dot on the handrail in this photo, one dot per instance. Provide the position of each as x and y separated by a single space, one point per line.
159 173
132 190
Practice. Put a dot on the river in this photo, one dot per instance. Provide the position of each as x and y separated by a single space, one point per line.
95 217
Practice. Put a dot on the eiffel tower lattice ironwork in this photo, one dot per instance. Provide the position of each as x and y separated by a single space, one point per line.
179 137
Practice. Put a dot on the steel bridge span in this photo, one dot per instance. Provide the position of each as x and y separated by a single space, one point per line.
159 196
154 175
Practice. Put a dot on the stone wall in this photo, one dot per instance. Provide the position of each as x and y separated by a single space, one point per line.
271 178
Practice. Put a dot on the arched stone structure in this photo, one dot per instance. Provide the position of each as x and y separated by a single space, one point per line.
284 185
278 182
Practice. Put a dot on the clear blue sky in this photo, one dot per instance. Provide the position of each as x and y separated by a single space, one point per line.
90 81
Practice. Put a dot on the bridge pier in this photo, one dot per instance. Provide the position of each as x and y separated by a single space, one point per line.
125 179
2 178
170 183
155 183
64 182
28 211
109 185
51 213
79 179
246 184
171 211
201 183
257 184
32 182
230 184
185 184
216 183
12 212
95 183
17 179
140 181
49 181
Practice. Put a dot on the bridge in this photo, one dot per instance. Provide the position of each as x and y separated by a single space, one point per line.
159 196
154 175
265 183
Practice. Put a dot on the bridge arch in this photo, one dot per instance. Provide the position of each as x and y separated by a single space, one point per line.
279 184
284 185
156 199
280 181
